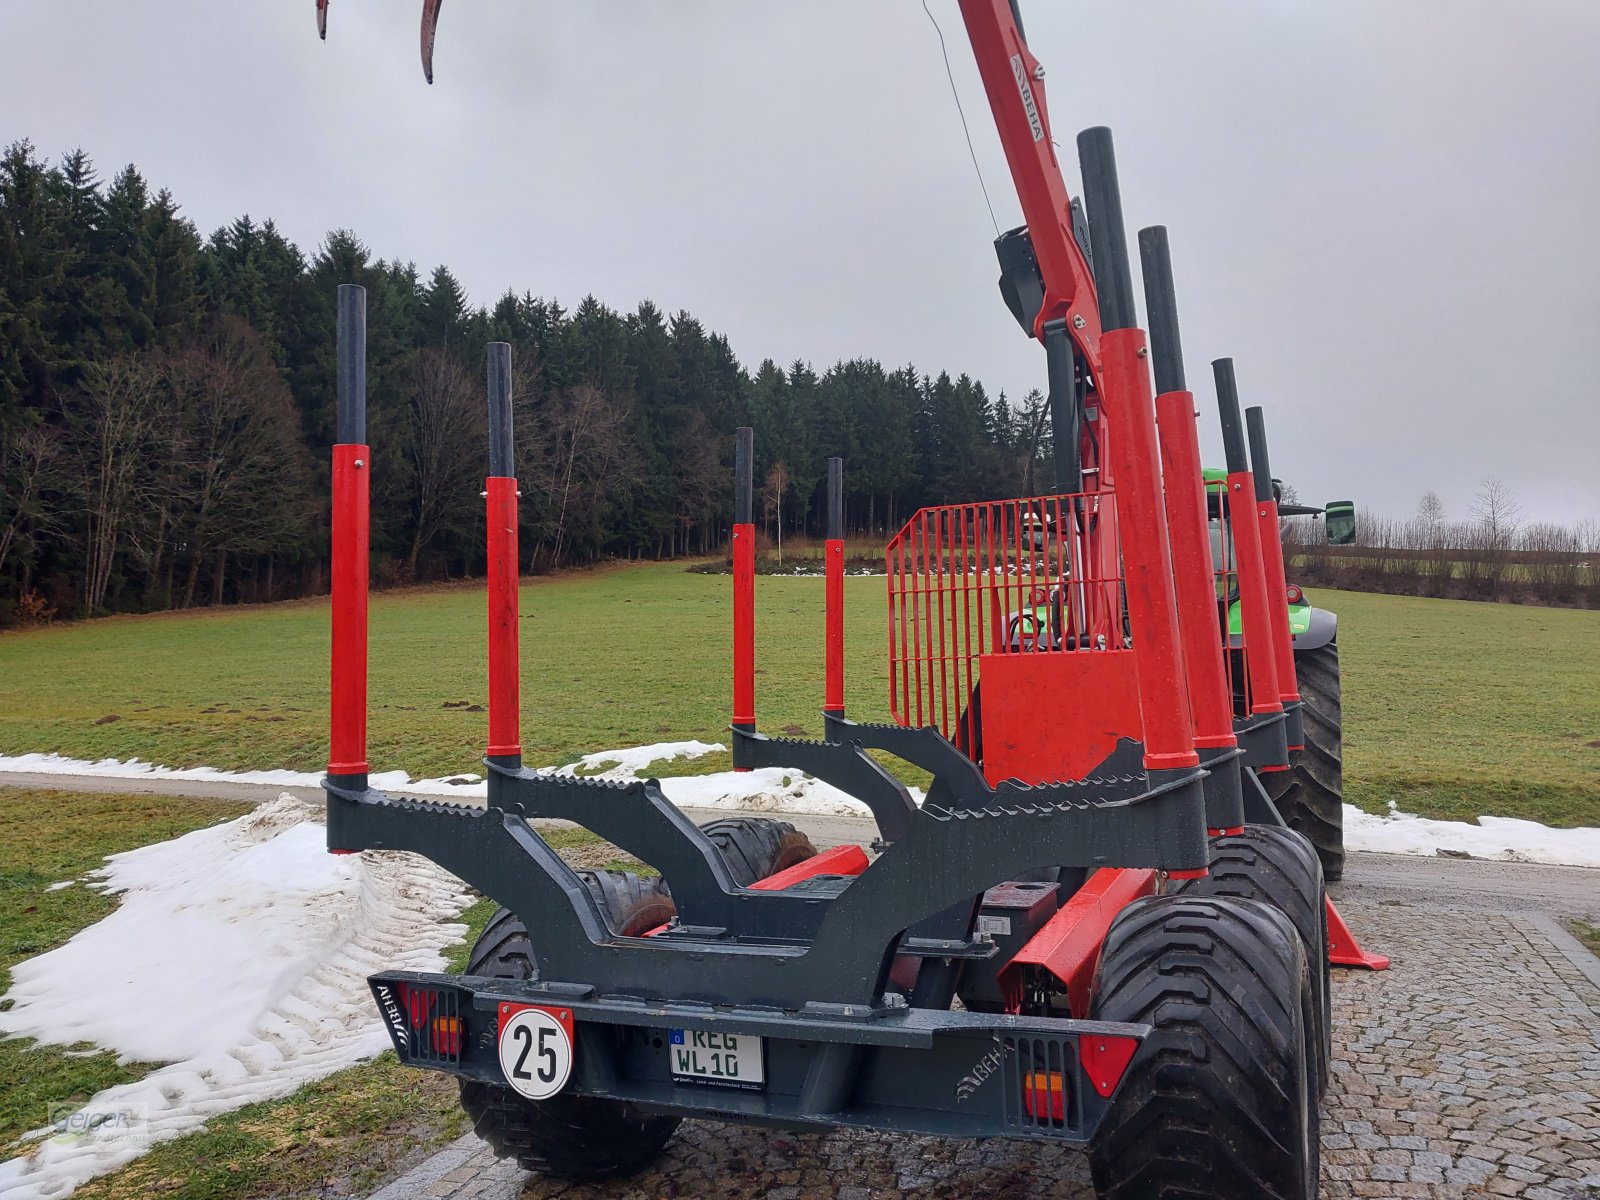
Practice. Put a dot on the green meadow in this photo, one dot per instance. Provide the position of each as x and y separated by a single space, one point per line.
1452 708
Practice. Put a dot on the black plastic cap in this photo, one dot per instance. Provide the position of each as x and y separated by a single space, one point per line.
351 366
744 444
1228 409
1161 305
1260 464
1113 276
502 448
835 498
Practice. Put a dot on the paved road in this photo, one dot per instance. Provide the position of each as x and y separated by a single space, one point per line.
1470 1069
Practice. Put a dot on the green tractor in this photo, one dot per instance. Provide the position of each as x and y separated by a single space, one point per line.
1310 794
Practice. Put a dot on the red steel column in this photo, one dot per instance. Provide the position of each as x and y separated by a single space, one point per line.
1278 586
505 732
833 566
744 625
1196 585
1255 605
1266 512
347 741
1146 556
744 586
347 723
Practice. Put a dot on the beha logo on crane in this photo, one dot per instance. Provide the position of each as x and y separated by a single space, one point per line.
1020 70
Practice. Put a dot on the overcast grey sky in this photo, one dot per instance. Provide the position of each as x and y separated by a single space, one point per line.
1385 210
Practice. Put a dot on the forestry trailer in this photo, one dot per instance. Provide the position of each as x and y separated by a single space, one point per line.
1095 930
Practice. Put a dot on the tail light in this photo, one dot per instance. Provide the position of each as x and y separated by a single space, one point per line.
424 1022
1039 596
1044 1095
445 1034
1295 594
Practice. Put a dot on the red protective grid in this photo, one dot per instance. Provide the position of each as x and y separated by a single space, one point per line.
1023 576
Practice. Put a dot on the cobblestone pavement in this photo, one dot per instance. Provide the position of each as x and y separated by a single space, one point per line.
1470 1069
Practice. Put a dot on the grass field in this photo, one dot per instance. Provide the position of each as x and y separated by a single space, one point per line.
1452 708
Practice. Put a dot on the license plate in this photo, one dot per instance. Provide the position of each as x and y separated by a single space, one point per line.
728 1059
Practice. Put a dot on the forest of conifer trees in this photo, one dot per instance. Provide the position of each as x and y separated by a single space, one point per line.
166 412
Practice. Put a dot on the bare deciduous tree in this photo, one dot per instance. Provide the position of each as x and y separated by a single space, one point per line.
580 449
1430 510
29 459
242 480
1496 511
444 450
114 422
777 483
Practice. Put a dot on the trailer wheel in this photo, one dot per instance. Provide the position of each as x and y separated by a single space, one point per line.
755 847
1280 867
1310 794
569 1137
1221 1102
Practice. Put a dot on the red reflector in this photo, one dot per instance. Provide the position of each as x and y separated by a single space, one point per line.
1295 594
1105 1059
1044 1095
1039 596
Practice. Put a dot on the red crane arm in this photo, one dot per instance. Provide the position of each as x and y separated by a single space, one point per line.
1014 80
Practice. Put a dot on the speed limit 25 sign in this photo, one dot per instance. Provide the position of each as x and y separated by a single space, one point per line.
536 1048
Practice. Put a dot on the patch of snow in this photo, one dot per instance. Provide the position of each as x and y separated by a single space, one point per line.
626 764
239 956
1505 839
65 883
766 789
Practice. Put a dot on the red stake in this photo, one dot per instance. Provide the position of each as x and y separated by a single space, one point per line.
1191 560
744 625
347 741
833 691
1146 555
505 716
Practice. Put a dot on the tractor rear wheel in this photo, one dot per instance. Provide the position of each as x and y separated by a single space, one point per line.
1279 866
1222 1099
1310 794
569 1137
755 847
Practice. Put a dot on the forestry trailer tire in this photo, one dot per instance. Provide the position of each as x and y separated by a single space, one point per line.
1279 867
568 1137
1310 794
1222 1101
755 847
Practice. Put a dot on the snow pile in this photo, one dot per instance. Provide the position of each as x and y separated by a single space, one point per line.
626 764
239 956
1505 839
769 789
